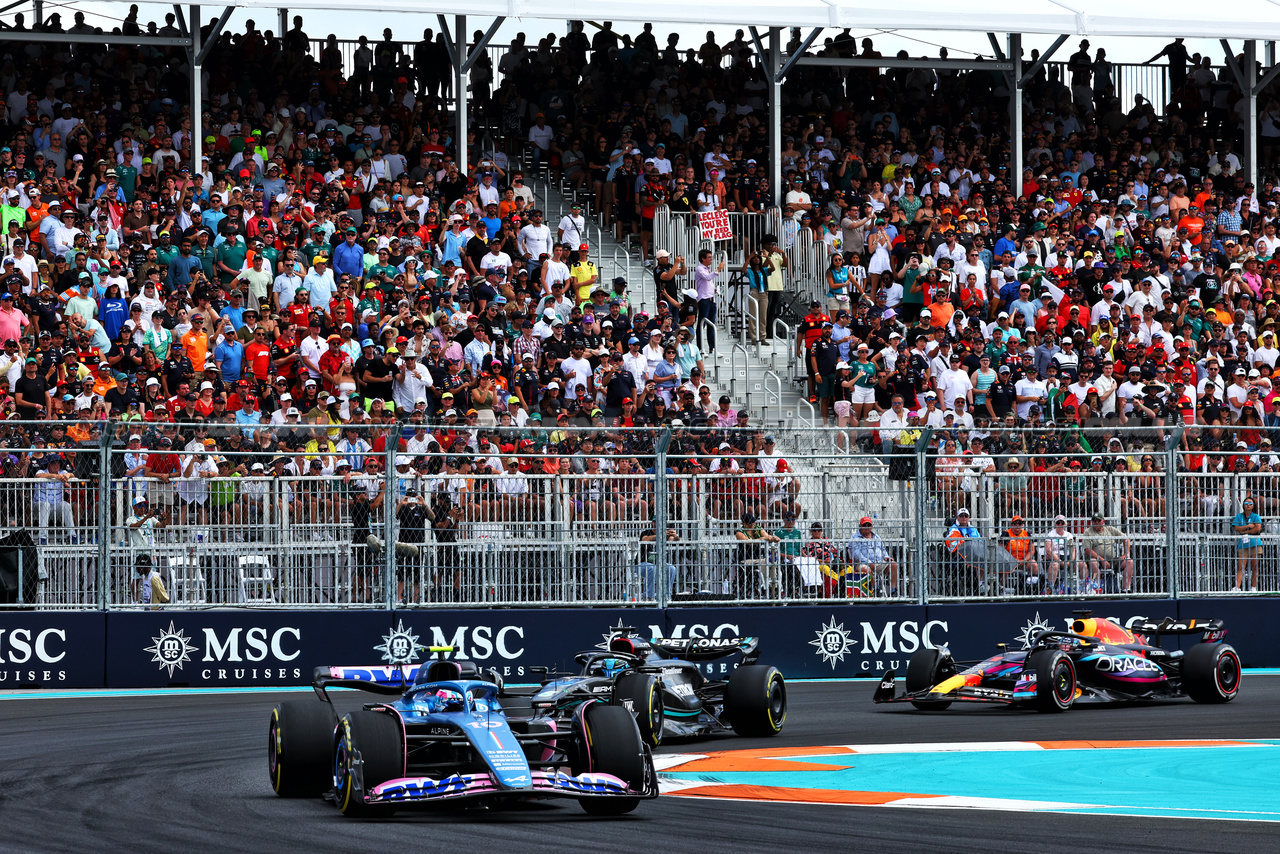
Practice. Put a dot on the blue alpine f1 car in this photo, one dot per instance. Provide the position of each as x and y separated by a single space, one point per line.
446 738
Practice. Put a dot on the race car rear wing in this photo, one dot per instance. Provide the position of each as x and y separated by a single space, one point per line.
707 649
1212 630
390 680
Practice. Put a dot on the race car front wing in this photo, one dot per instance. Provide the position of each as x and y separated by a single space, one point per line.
407 790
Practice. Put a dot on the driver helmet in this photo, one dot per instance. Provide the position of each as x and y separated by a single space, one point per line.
613 666
450 701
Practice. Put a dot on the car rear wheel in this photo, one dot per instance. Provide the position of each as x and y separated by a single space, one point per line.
755 700
927 668
612 745
375 738
300 749
1211 673
640 692
1055 680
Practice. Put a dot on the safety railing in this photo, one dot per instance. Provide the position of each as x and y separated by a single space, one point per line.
283 518
1128 80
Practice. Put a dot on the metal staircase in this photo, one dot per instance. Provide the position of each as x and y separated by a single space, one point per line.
766 379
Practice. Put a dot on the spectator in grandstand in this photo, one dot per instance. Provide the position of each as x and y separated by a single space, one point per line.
872 559
1061 553
1247 526
753 557
647 567
1017 542
51 497
964 545
142 523
1106 549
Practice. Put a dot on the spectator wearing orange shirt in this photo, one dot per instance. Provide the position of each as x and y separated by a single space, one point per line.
196 341
1193 223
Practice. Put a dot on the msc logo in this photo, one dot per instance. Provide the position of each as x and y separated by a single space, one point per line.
833 642
24 644
399 646
172 648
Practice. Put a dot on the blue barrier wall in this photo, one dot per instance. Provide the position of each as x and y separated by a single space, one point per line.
52 648
259 647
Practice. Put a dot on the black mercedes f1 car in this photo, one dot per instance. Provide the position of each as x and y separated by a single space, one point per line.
1098 660
663 684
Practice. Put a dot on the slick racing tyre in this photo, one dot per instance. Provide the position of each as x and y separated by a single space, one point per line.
611 745
639 693
375 738
755 700
927 668
300 749
1055 680
1211 673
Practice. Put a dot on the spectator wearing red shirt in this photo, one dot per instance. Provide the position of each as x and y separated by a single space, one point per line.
299 311
284 353
331 362
809 331
258 355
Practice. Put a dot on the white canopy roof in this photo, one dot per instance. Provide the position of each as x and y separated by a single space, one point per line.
1239 19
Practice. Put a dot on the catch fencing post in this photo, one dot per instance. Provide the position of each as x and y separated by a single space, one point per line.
389 503
104 510
922 526
1171 506
660 516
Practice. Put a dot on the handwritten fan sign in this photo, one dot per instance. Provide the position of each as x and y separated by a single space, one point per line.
714 225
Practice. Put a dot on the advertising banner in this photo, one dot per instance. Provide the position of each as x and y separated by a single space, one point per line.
814 642
236 647
977 630
232 648
51 649
513 641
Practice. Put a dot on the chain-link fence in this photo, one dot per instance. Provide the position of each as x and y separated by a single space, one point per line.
110 515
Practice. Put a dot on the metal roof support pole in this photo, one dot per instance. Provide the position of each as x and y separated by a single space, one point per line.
284 22
37 13
195 60
775 114
995 45
1246 77
463 60
460 85
1044 57
1249 86
1015 113
197 53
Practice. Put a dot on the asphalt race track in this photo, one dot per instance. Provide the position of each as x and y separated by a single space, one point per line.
188 773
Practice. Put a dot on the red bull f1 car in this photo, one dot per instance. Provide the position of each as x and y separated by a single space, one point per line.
663 683
1098 660
443 736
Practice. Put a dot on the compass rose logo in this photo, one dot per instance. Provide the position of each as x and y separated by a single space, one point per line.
1031 629
171 649
613 632
833 642
399 646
